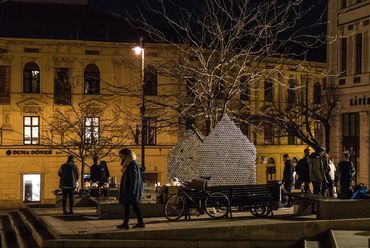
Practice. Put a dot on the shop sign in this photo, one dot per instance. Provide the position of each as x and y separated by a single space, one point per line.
29 152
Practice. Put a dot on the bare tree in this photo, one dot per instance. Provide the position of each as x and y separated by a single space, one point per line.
217 45
303 116
86 130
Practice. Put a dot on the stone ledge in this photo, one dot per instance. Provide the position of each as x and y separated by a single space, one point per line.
342 209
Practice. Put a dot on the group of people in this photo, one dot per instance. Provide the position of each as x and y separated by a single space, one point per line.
131 186
319 169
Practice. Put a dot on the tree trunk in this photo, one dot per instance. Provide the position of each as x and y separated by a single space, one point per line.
82 173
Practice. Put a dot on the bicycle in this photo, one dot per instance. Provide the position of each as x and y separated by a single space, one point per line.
216 204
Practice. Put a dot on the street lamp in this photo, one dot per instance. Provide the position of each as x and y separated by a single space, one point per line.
140 50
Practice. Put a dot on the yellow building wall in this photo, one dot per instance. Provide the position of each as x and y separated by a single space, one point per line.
118 66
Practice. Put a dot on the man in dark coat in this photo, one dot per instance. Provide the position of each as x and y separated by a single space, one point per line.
288 175
95 171
131 188
346 171
104 173
303 171
317 171
69 175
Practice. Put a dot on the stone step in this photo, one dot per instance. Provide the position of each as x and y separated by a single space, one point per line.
39 233
8 237
22 233
74 243
311 244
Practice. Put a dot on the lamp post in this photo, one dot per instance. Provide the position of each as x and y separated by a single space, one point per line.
139 50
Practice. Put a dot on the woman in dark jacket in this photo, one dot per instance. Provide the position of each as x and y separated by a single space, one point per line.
131 188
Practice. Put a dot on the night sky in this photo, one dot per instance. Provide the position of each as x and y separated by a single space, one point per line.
307 25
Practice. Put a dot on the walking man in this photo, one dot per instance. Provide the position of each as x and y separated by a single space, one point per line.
131 188
69 175
317 174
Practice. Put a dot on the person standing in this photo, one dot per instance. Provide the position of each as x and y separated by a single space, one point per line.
95 171
346 171
332 171
104 173
316 168
303 171
131 188
288 176
69 175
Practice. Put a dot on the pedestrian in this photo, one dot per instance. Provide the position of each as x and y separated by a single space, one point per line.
288 176
316 168
69 175
346 172
303 171
332 171
95 171
104 173
327 183
104 176
131 188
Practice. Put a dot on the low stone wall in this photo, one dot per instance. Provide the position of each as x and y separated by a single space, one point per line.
343 209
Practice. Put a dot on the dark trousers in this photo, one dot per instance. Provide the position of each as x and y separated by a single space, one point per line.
288 188
345 186
69 193
137 211
317 187
306 187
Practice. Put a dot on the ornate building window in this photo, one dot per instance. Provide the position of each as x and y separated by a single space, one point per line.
244 92
92 79
291 91
190 86
31 78
4 85
269 134
343 56
151 81
358 63
31 130
62 86
220 89
91 130
150 134
268 90
317 93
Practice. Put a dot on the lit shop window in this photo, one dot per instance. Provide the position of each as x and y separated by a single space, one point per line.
31 130
31 187
91 130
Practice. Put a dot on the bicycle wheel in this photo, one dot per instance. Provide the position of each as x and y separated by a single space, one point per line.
217 205
260 208
174 207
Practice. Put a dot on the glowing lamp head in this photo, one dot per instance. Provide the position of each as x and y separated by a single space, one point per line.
137 50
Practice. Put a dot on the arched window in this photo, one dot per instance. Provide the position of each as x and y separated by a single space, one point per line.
190 86
31 78
291 91
317 93
271 162
220 89
92 79
268 90
244 92
151 81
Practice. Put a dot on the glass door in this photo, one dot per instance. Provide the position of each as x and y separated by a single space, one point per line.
31 187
